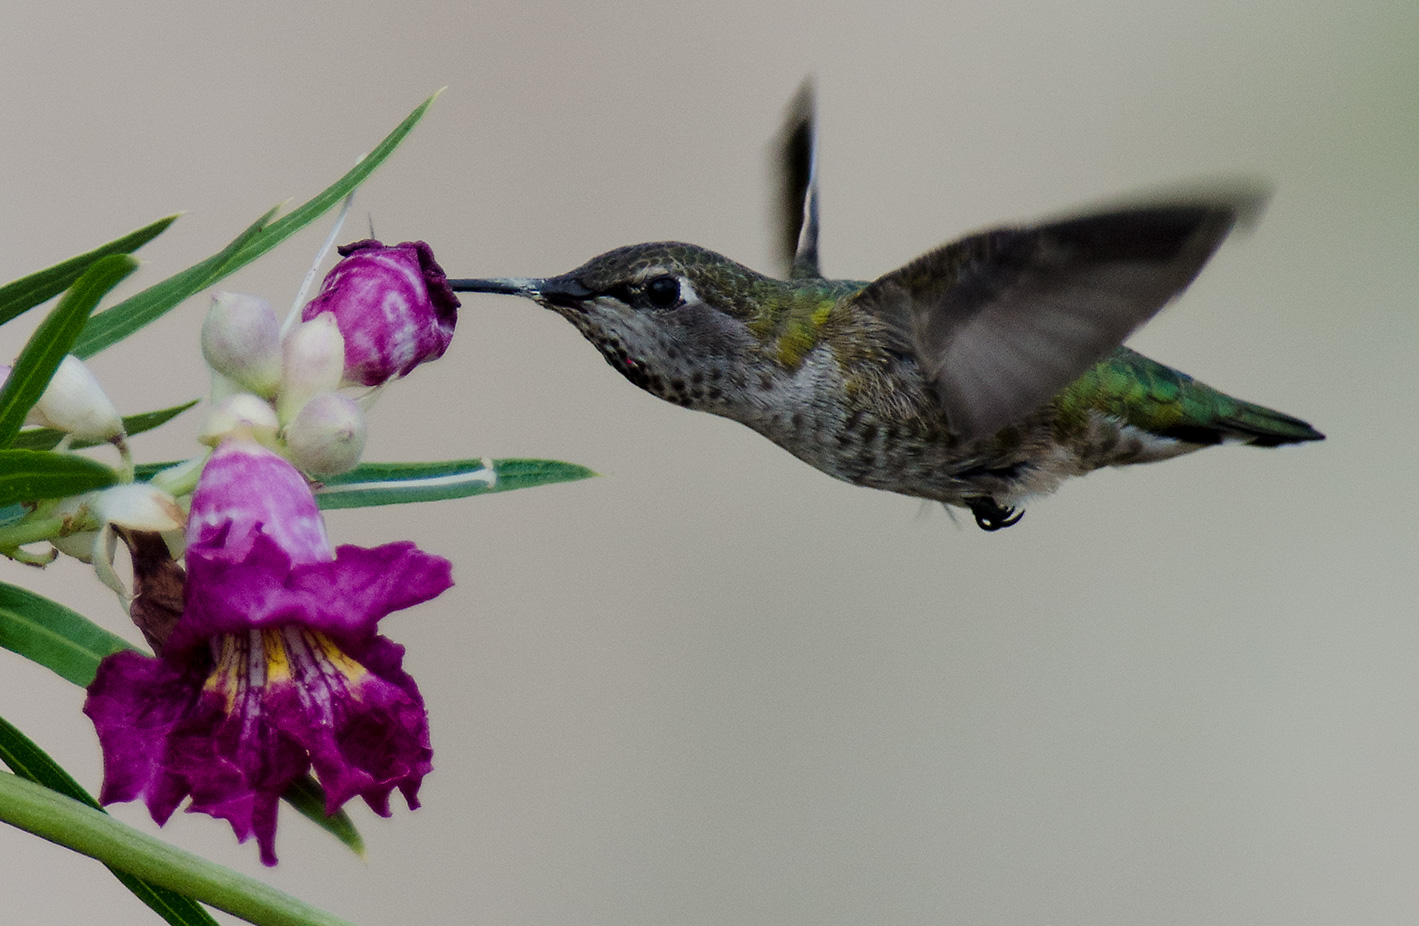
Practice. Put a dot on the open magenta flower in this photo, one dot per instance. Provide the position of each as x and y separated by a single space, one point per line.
393 305
275 668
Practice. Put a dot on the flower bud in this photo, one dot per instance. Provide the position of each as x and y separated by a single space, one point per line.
138 506
394 307
327 436
312 362
237 414
80 546
75 403
241 339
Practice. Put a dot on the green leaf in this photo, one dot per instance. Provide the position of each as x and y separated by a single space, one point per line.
62 640
307 797
30 762
52 340
372 484
67 822
113 325
31 475
27 292
48 438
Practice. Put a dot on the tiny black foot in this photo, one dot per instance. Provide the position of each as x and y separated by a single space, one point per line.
990 516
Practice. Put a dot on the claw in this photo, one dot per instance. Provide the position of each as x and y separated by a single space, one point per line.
989 514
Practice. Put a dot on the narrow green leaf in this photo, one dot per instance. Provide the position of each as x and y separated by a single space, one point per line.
307 797
52 340
48 438
27 292
32 475
111 326
372 484
67 822
30 762
62 640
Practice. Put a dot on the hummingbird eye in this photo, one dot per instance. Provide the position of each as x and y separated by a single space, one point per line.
662 292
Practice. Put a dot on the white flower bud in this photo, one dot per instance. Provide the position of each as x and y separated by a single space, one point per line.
312 362
242 412
241 339
74 402
327 436
91 516
80 545
138 506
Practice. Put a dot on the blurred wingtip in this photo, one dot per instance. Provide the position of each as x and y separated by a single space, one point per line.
795 171
1244 198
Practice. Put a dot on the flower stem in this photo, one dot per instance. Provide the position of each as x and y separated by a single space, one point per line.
94 833
30 530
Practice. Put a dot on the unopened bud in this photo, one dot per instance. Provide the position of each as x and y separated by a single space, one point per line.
75 403
240 413
312 362
241 339
80 545
138 506
327 436
394 306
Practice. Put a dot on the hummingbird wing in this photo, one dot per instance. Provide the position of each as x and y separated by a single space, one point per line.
796 166
1001 321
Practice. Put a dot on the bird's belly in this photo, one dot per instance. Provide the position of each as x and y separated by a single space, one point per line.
917 458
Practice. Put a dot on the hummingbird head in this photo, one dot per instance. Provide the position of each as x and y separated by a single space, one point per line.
670 317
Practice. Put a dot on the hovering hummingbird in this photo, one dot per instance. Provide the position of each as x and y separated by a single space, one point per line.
980 374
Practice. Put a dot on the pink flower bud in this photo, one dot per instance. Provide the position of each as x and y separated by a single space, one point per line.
393 305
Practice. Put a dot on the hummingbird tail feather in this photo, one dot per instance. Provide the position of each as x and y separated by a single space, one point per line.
1246 423
1266 427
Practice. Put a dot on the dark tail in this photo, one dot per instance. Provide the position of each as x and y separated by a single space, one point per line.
1252 424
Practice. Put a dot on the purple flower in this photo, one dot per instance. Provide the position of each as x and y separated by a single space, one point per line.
275 668
393 305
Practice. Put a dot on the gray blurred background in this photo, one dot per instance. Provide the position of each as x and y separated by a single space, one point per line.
716 686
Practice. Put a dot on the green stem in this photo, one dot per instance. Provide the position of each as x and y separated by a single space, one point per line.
94 833
125 471
30 530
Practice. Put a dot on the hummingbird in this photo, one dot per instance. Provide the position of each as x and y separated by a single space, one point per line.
981 374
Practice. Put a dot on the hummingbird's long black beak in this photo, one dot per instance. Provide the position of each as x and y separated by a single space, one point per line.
507 286
562 290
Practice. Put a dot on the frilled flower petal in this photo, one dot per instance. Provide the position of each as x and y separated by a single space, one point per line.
344 598
393 305
277 703
136 702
